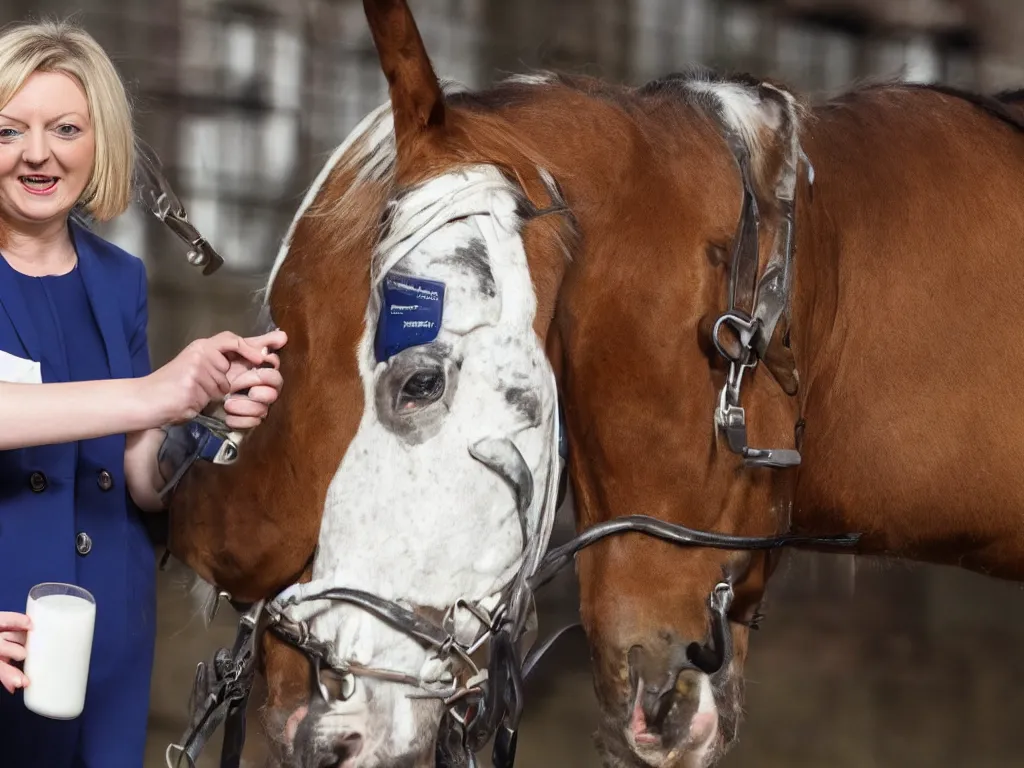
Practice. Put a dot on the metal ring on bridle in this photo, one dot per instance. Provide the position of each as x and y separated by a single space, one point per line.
744 327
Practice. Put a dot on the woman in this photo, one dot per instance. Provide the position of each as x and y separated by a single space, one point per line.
80 409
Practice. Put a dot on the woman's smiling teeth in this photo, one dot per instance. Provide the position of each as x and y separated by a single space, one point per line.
39 183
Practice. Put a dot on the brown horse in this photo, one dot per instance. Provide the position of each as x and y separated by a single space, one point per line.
701 245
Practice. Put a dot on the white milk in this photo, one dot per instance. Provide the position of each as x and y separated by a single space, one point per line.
57 654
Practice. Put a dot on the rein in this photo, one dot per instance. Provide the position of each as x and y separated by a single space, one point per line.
490 702
220 695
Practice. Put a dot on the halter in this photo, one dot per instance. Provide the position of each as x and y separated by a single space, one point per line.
488 701
487 704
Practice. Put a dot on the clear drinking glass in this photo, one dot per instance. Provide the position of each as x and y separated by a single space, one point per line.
58 649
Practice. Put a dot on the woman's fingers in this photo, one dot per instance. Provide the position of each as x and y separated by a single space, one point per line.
226 344
264 395
272 340
12 679
13 627
18 636
215 382
11 650
247 411
255 387
266 381
272 360
244 406
14 622
242 422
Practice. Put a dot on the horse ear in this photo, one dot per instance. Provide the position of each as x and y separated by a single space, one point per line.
417 102
777 162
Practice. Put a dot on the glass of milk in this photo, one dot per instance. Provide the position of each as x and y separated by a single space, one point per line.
58 649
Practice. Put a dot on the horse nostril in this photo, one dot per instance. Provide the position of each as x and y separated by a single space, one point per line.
655 702
346 748
664 687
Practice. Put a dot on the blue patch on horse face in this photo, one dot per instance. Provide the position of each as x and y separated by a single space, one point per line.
410 314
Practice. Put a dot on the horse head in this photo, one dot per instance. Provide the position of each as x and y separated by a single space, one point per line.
404 490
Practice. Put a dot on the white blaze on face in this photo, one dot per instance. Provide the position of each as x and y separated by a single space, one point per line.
410 515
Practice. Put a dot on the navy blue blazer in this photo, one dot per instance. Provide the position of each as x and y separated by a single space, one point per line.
65 513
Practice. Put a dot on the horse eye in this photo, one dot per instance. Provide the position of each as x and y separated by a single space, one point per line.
422 388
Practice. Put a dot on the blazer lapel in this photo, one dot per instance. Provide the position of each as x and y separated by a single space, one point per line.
101 289
14 305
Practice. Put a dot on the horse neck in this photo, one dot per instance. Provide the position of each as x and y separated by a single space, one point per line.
635 288
905 255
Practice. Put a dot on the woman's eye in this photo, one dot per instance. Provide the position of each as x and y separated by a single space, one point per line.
421 388
7 133
67 130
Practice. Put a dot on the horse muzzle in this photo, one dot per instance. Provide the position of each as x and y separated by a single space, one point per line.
669 713
315 738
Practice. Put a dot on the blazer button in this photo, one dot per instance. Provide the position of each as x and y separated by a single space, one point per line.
105 480
37 482
83 544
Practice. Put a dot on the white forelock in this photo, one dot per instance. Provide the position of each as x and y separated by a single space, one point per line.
376 148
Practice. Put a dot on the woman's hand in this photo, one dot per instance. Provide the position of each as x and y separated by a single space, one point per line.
13 627
181 389
233 373
254 390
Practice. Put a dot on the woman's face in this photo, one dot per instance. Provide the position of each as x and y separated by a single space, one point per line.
47 148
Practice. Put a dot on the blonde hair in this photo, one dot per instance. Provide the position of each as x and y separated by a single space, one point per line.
60 46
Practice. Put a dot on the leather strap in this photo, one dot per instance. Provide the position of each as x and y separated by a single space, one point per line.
220 695
744 264
756 306
201 438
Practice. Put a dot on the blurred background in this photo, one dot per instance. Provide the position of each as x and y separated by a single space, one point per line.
861 663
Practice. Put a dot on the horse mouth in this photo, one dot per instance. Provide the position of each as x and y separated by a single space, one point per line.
623 742
700 749
619 750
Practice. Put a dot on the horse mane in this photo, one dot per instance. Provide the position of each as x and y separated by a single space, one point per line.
360 185
518 90
994 105
1011 95
366 158
759 111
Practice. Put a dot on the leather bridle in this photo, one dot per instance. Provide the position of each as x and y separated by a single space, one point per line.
488 702
756 306
484 706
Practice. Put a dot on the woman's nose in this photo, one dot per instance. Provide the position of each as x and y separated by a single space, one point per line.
37 149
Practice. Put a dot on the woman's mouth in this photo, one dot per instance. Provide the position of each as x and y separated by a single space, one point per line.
39 185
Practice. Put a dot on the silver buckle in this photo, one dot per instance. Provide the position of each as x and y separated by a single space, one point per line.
158 197
229 448
731 419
